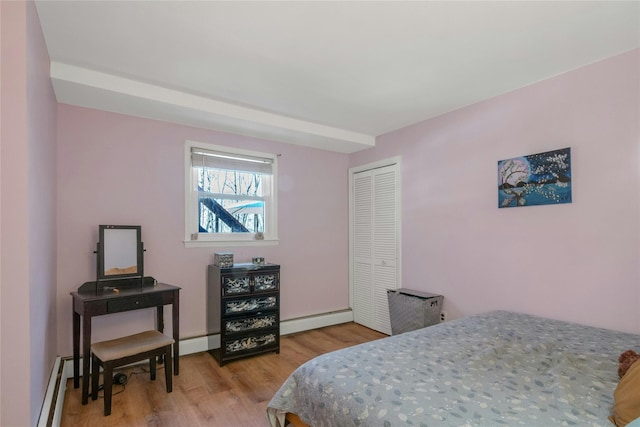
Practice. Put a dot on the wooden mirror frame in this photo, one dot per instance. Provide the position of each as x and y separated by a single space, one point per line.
120 252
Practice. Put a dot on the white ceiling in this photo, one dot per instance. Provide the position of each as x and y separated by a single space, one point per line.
332 75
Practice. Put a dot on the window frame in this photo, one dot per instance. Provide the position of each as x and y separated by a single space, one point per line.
192 238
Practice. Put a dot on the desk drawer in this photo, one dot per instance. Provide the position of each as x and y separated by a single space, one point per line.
126 304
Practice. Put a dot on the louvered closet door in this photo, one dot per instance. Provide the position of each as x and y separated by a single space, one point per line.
375 245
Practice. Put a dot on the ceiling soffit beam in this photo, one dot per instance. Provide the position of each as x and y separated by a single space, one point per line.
92 89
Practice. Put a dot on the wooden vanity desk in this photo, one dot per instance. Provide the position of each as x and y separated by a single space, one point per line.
96 299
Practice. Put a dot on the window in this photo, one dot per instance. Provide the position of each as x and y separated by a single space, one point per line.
230 196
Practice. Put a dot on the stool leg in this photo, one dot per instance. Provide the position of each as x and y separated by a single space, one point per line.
95 374
152 368
108 383
168 369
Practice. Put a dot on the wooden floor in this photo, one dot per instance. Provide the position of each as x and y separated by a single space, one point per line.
235 395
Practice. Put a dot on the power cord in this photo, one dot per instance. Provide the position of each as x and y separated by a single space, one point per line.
118 379
122 379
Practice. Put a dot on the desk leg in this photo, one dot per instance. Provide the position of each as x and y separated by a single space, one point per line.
160 325
175 309
76 349
160 318
86 357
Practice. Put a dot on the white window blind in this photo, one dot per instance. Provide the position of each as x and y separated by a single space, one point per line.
224 160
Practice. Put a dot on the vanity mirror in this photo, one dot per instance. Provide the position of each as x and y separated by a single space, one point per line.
120 252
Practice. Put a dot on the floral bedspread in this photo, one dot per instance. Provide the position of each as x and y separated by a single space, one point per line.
494 369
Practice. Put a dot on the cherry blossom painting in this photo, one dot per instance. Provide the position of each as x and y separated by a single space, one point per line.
536 179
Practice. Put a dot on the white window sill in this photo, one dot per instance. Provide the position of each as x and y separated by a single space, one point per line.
228 243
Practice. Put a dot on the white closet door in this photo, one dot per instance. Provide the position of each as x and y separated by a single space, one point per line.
375 244
362 259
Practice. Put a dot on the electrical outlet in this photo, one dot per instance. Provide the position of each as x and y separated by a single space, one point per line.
443 316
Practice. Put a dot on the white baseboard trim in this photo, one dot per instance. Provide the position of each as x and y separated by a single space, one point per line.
63 368
315 321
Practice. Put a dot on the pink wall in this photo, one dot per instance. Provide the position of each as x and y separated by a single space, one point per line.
577 262
27 220
42 211
117 169
15 371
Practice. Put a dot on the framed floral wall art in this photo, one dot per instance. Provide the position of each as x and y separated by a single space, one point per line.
536 179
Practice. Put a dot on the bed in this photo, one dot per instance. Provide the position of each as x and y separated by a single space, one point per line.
492 369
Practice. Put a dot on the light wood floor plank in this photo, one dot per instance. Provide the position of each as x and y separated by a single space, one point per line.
205 394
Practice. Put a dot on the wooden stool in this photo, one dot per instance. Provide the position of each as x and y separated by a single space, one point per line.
123 351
